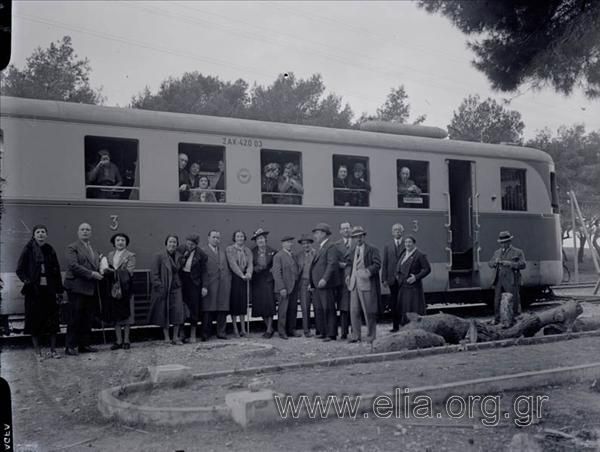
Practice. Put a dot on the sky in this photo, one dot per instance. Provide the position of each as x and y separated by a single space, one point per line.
361 49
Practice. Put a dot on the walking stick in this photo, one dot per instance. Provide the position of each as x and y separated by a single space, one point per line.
248 306
101 313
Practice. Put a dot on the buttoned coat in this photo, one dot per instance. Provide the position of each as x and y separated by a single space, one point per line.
198 266
390 261
285 272
217 280
325 265
508 277
372 263
80 265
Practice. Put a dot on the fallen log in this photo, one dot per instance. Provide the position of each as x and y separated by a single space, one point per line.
452 328
407 340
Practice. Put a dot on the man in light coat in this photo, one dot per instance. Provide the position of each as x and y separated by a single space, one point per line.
285 276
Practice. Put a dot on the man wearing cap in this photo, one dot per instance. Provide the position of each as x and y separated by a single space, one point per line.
508 262
342 297
304 259
193 265
391 255
325 278
362 279
285 276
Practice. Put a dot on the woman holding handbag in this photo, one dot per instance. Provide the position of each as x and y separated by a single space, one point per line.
118 277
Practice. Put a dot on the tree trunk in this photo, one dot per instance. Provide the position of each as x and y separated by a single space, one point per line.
581 251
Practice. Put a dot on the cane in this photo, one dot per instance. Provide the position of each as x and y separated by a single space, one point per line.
101 312
248 306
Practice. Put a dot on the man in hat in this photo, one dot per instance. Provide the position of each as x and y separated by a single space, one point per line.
508 262
285 277
304 259
325 278
391 255
360 185
362 279
193 265
342 297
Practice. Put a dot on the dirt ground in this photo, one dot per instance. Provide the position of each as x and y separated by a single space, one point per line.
54 401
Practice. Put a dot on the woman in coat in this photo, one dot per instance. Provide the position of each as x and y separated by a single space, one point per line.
239 258
412 267
263 299
118 307
39 270
166 298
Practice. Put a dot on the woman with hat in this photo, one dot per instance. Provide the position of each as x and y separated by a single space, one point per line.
239 258
360 186
412 267
304 259
263 297
39 271
118 289
508 262
105 173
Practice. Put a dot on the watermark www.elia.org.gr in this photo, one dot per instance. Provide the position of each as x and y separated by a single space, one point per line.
523 409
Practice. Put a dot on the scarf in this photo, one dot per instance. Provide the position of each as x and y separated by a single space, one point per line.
38 255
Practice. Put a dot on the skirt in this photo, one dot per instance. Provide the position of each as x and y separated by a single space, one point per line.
410 299
192 295
41 313
263 298
239 296
113 309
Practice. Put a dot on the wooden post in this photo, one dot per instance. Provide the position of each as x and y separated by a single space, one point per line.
585 232
574 222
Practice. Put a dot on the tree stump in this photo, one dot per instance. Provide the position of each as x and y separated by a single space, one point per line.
507 316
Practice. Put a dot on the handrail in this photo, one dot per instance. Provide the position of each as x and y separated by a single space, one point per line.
449 251
477 228
117 188
447 225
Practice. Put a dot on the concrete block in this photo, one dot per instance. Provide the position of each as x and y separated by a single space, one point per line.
249 408
170 373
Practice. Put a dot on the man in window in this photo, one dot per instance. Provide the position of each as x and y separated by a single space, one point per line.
184 178
341 197
105 173
360 185
406 186
270 181
289 183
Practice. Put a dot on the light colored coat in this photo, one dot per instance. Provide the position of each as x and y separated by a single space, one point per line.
285 272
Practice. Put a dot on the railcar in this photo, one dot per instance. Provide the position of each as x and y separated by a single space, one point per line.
453 196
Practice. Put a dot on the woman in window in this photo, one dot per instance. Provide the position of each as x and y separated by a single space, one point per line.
263 299
360 186
166 299
39 271
118 281
105 173
207 195
342 196
289 183
239 258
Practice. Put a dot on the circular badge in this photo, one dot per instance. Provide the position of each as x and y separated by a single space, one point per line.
243 175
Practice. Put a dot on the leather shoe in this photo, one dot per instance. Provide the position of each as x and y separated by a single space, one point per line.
283 336
203 338
326 339
126 345
116 346
87 349
394 330
221 337
353 341
71 352
344 336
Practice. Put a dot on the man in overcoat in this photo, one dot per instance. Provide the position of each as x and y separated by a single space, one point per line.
362 279
391 255
285 277
342 296
193 266
216 286
508 262
325 278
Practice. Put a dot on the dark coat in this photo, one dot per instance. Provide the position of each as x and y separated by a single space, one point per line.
29 271
198 264
411 296
372 262
325 266
390 261
343 295
166 298
263 298
80 265
508 276
217 280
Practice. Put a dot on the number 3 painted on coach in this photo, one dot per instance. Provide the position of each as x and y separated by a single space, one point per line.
415 225
114 222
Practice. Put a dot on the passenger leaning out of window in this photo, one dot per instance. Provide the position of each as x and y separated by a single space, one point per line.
289 183
105 173
206 194
342 196
270 181
360 186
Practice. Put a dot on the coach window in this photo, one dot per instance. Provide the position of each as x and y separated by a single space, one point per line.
351 185
111 168
514 190
281 179
413 183
201 173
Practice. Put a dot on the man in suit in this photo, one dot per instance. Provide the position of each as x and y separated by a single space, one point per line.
342 296
508 262
304 260
362 279
285 276
391 255
325 278
184 178
216 287
81 283
193 266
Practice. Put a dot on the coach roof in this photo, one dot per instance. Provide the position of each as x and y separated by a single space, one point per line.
129 117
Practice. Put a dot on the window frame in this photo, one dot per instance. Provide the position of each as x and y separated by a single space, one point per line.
428 178
214 191
300 170
359 159
524 180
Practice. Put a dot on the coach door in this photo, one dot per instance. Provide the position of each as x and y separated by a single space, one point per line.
462 225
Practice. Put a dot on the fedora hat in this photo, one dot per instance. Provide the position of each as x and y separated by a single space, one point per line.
358 230
504 236
287 238
306 238
258 233
323 227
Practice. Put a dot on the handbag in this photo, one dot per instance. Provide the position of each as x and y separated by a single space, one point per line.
115 290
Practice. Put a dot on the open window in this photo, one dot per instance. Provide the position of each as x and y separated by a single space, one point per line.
554 192
351 182
111 168
281 179
201 173
514 190
413 183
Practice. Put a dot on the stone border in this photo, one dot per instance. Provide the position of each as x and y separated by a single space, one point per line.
260 348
